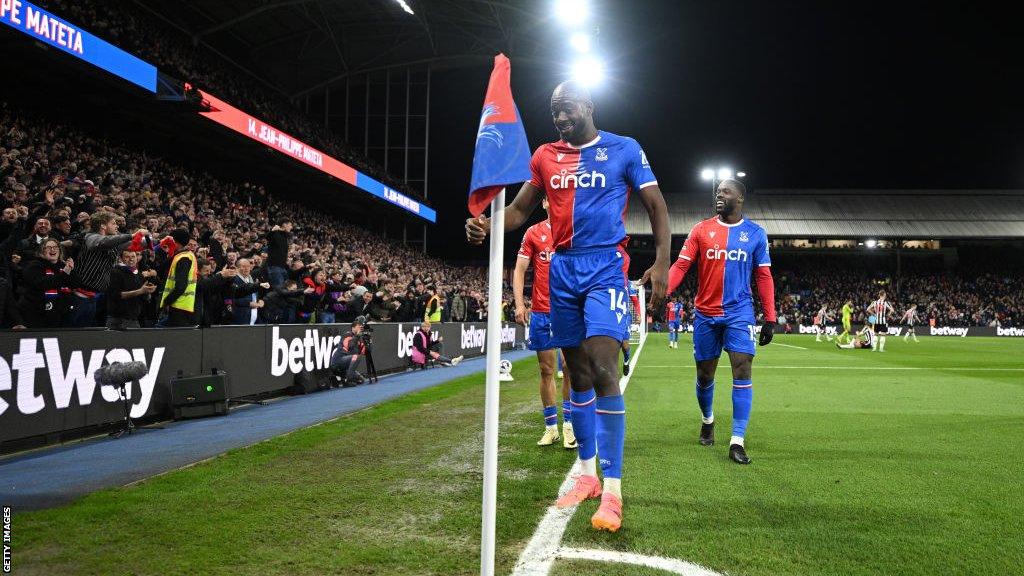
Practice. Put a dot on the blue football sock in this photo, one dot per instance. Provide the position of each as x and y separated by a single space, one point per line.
625 356
550 415
742 399
705 398
583 417
611 434
566 411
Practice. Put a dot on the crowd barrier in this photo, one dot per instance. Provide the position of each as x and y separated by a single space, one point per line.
47 387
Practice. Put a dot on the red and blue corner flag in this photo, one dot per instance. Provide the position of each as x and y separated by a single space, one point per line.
502 155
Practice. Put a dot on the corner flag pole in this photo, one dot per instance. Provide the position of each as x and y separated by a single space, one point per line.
494 293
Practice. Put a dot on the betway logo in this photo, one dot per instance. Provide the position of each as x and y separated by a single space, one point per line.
947 331
721 254
564 179
309 352
474 337
1009 331
76 376
405 339
830 330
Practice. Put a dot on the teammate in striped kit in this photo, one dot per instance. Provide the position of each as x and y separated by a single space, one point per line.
882 311
587 177
673 316
909 320
729 250
536 250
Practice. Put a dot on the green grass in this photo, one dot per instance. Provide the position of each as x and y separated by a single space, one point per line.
855 472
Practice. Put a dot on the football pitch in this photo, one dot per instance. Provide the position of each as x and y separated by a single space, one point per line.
902 462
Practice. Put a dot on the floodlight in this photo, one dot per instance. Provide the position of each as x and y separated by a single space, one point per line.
588 71
571 11
871 243
405 6
707 174
724 173
741 174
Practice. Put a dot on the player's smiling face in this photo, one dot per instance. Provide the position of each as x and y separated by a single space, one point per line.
572 117
727 199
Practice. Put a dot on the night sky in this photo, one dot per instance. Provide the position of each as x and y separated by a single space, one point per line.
797 94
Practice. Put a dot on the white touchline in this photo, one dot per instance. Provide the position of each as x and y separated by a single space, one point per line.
667 564
936 368
544 546
790 346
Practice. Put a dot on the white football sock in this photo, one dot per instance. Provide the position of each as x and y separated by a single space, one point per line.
708 420
588 467
736 440
613 485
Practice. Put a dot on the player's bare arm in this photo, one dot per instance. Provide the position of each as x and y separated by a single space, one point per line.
516 213
654 202
518 285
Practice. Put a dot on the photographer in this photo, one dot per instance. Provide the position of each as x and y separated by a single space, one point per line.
129 289
346 357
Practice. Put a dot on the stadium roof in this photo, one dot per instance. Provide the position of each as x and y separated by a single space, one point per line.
300 46
918 214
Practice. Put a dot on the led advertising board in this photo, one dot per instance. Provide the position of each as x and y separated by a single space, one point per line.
243 123
42 26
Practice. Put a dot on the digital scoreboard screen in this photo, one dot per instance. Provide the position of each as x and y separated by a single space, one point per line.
243 123
40 25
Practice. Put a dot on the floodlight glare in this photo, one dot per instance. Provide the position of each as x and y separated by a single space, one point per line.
707 174
571 11
581 42
741 174
405 6
871 243
724 173
588 71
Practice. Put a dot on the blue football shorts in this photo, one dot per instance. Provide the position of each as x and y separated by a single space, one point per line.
589 295
711 334
540 332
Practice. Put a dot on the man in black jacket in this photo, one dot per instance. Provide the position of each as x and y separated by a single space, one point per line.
278 239
210 293
346 356
128 290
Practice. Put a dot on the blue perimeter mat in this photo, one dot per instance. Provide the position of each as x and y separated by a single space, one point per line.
55 476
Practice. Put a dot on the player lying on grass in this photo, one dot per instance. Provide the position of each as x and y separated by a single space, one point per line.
729 250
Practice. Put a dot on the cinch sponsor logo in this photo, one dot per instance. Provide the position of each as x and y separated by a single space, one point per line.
592 179
722 254
308 352
76 375
1009 331
474 337
947 331
405 339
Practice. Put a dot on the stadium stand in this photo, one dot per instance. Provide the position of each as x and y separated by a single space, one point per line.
66 179
124 24
861 213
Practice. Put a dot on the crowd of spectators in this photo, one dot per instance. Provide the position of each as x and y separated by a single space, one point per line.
969 295
83 220
125 24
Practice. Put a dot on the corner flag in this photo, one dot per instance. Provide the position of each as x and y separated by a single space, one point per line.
502 157
502 154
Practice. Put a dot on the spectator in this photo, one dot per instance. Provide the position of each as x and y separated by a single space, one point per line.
96 259
211 287
47 287
278 240
281 302
245 301
129 289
